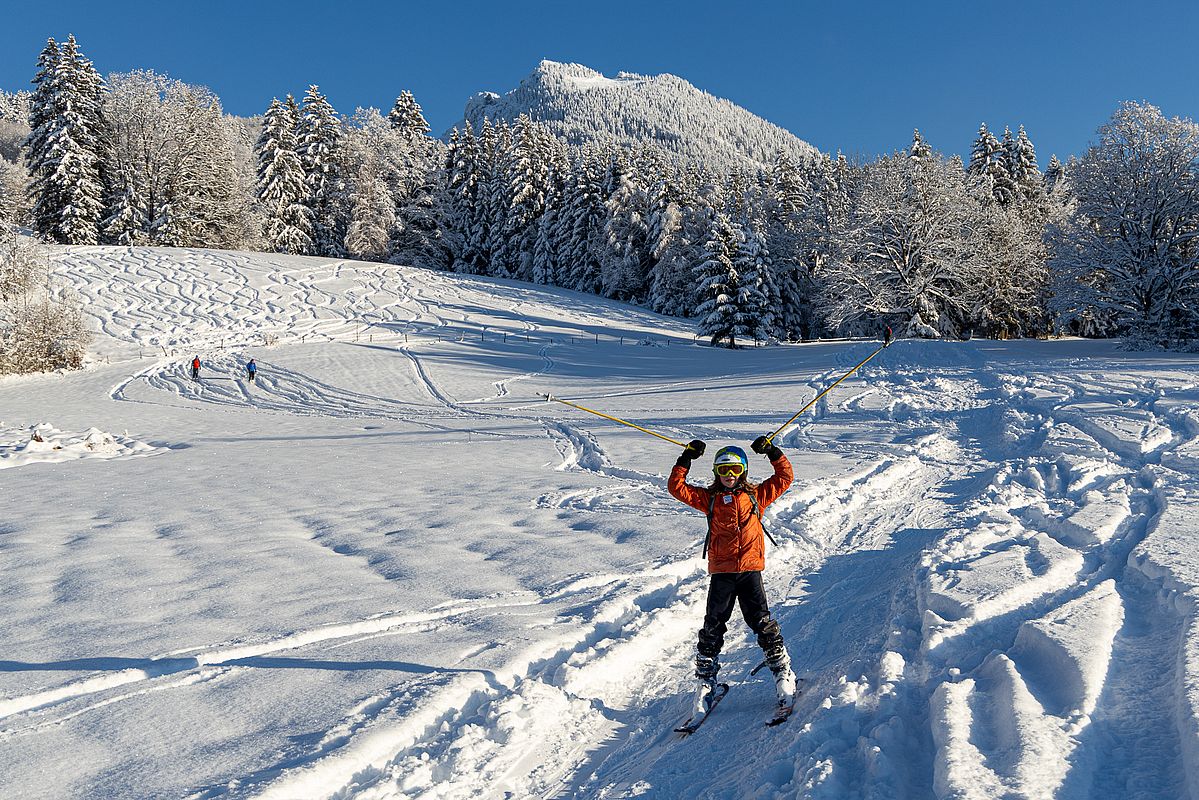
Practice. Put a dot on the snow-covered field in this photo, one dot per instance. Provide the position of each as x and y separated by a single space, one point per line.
388 570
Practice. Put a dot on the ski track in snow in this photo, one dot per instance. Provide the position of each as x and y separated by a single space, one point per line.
973 606
1022 703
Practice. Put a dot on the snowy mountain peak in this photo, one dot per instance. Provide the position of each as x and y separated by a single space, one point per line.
582 105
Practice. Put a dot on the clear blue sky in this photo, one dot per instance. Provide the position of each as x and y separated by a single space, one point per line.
858 76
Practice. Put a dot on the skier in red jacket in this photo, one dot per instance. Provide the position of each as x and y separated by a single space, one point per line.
736 557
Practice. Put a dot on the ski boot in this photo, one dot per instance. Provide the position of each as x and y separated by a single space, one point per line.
779 662
705 674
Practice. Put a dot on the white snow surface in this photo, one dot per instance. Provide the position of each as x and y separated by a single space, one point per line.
388 570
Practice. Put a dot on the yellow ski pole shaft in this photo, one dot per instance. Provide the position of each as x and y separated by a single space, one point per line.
550 397
814 400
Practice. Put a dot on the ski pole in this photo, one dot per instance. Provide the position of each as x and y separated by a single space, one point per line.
886 343
550 397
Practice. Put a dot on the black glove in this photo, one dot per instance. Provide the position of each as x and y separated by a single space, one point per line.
694 449
766 447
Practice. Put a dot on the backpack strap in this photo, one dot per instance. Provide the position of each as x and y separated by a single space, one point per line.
753 498
711 513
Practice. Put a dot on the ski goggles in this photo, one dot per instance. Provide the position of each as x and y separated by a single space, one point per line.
730 470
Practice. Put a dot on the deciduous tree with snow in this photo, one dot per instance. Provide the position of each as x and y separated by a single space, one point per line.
1126 256
908 258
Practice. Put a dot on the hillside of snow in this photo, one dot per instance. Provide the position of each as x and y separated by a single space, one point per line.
387 569
583 106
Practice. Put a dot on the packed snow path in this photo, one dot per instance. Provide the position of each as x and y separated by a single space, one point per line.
384 570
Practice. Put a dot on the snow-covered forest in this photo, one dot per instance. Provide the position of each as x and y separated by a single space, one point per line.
799 246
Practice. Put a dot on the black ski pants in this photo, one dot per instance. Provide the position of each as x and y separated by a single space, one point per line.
745 589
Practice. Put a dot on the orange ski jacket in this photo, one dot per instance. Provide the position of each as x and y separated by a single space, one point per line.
738 542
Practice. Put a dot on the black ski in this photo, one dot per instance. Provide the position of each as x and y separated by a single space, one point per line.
712 700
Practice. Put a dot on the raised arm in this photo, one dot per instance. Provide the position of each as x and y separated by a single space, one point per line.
677 484
773 487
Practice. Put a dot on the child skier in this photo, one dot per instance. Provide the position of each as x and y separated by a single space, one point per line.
251 370
196 368
736 557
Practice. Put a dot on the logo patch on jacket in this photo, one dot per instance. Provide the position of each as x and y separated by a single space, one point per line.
728 498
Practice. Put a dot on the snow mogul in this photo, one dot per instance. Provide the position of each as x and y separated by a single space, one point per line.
736 552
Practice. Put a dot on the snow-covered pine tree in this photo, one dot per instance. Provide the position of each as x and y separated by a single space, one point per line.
425 232
407 117
526 177
126 223
1005 189
282 191
823 225
1125 261
581 223
1023 169
673 288
63 148
421 153
718 284
792 198
625 266
758 296
547 266
662 223
80 151
495 194
989 164
462 197
671 285
319 147
920 151
792 193
1054 176
420 238
42 126
476 206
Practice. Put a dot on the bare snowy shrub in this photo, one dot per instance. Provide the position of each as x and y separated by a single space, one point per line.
22 263
41 325
14 179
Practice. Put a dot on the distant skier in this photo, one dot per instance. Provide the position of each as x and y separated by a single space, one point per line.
736 553
251 370
196 368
